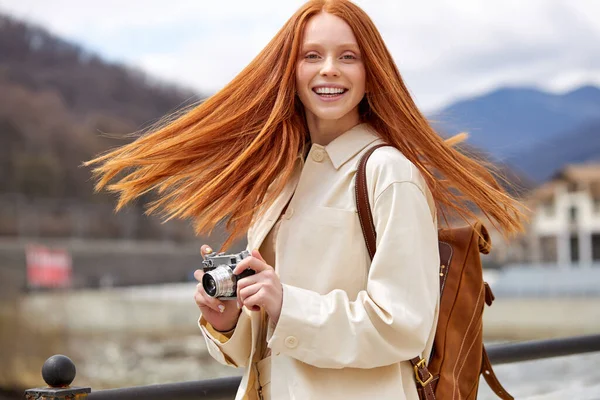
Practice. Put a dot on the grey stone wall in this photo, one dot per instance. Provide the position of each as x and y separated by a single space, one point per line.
108 263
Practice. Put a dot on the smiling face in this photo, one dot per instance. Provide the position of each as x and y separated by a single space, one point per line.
330 74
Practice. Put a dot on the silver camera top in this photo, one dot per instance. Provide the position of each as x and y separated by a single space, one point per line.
214 260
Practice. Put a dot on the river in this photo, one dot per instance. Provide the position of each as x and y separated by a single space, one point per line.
142 336
155 360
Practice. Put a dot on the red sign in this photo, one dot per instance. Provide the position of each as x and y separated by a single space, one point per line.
48 267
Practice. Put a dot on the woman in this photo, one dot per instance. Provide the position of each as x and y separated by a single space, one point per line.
275 152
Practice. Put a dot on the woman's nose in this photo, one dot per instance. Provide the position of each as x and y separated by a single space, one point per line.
329 68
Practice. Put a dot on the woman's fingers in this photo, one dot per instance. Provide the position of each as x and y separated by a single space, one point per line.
256 300
256 253
254 263
205 249
254 290
247 281
248 291
198 274
266 278
246 287
200 296
204 300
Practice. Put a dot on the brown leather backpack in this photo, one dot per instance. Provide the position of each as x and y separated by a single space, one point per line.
458 357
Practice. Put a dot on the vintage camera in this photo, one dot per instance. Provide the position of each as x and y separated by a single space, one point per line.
218 280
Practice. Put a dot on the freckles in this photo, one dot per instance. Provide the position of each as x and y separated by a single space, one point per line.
302 75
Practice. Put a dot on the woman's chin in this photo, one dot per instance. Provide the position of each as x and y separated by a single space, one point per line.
331 114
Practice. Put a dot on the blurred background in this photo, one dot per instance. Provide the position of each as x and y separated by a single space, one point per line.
114 291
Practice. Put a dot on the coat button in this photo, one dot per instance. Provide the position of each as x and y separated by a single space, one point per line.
291 342
318 155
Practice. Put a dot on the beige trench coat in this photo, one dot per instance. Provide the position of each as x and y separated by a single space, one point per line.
347 325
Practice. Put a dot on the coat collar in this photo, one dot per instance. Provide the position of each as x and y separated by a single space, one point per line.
348 144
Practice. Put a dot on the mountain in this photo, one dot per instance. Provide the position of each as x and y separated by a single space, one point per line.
57 99
511 121
577 145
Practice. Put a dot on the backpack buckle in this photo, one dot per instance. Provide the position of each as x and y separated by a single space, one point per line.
421 366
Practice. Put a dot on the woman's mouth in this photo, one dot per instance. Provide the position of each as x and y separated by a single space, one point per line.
329 92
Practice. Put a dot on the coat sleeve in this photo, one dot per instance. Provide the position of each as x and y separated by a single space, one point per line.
231 348
391 320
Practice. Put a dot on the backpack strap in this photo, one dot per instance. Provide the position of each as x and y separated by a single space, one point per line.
491 379
362 202
424 378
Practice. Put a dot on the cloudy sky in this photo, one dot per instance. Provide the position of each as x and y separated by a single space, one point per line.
445 49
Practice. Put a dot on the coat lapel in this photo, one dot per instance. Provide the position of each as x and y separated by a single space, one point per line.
265 223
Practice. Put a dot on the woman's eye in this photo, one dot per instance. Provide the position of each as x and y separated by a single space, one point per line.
349 57
311 56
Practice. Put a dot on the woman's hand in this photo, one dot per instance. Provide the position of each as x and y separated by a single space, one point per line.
222 315
261 290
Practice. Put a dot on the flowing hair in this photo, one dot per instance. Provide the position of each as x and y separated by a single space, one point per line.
215 162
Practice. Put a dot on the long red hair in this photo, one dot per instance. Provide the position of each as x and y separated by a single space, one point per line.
216 161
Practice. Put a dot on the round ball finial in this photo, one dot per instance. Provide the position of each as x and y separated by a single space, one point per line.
58 371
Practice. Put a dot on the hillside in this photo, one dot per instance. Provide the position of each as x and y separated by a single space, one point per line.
58 106
577 145
56 100
509 121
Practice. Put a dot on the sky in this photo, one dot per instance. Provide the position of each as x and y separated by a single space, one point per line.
446 50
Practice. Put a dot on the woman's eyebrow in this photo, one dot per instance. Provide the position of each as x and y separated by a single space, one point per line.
352 46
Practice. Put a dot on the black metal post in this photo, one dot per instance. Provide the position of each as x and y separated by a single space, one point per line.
213 389
538 349
58 373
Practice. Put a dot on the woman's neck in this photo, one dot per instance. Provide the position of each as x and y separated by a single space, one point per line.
324 132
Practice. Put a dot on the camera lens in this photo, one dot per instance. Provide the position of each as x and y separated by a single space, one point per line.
209 284
219 282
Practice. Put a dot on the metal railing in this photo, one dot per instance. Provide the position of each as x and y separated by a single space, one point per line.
59 372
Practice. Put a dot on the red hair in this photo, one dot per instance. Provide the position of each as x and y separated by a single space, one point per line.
217 161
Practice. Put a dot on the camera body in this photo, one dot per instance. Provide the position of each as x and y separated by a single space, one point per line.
218 280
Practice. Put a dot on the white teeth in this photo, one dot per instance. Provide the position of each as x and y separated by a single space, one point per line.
329 90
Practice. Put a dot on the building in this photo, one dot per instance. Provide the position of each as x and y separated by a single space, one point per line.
564 228
565 225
